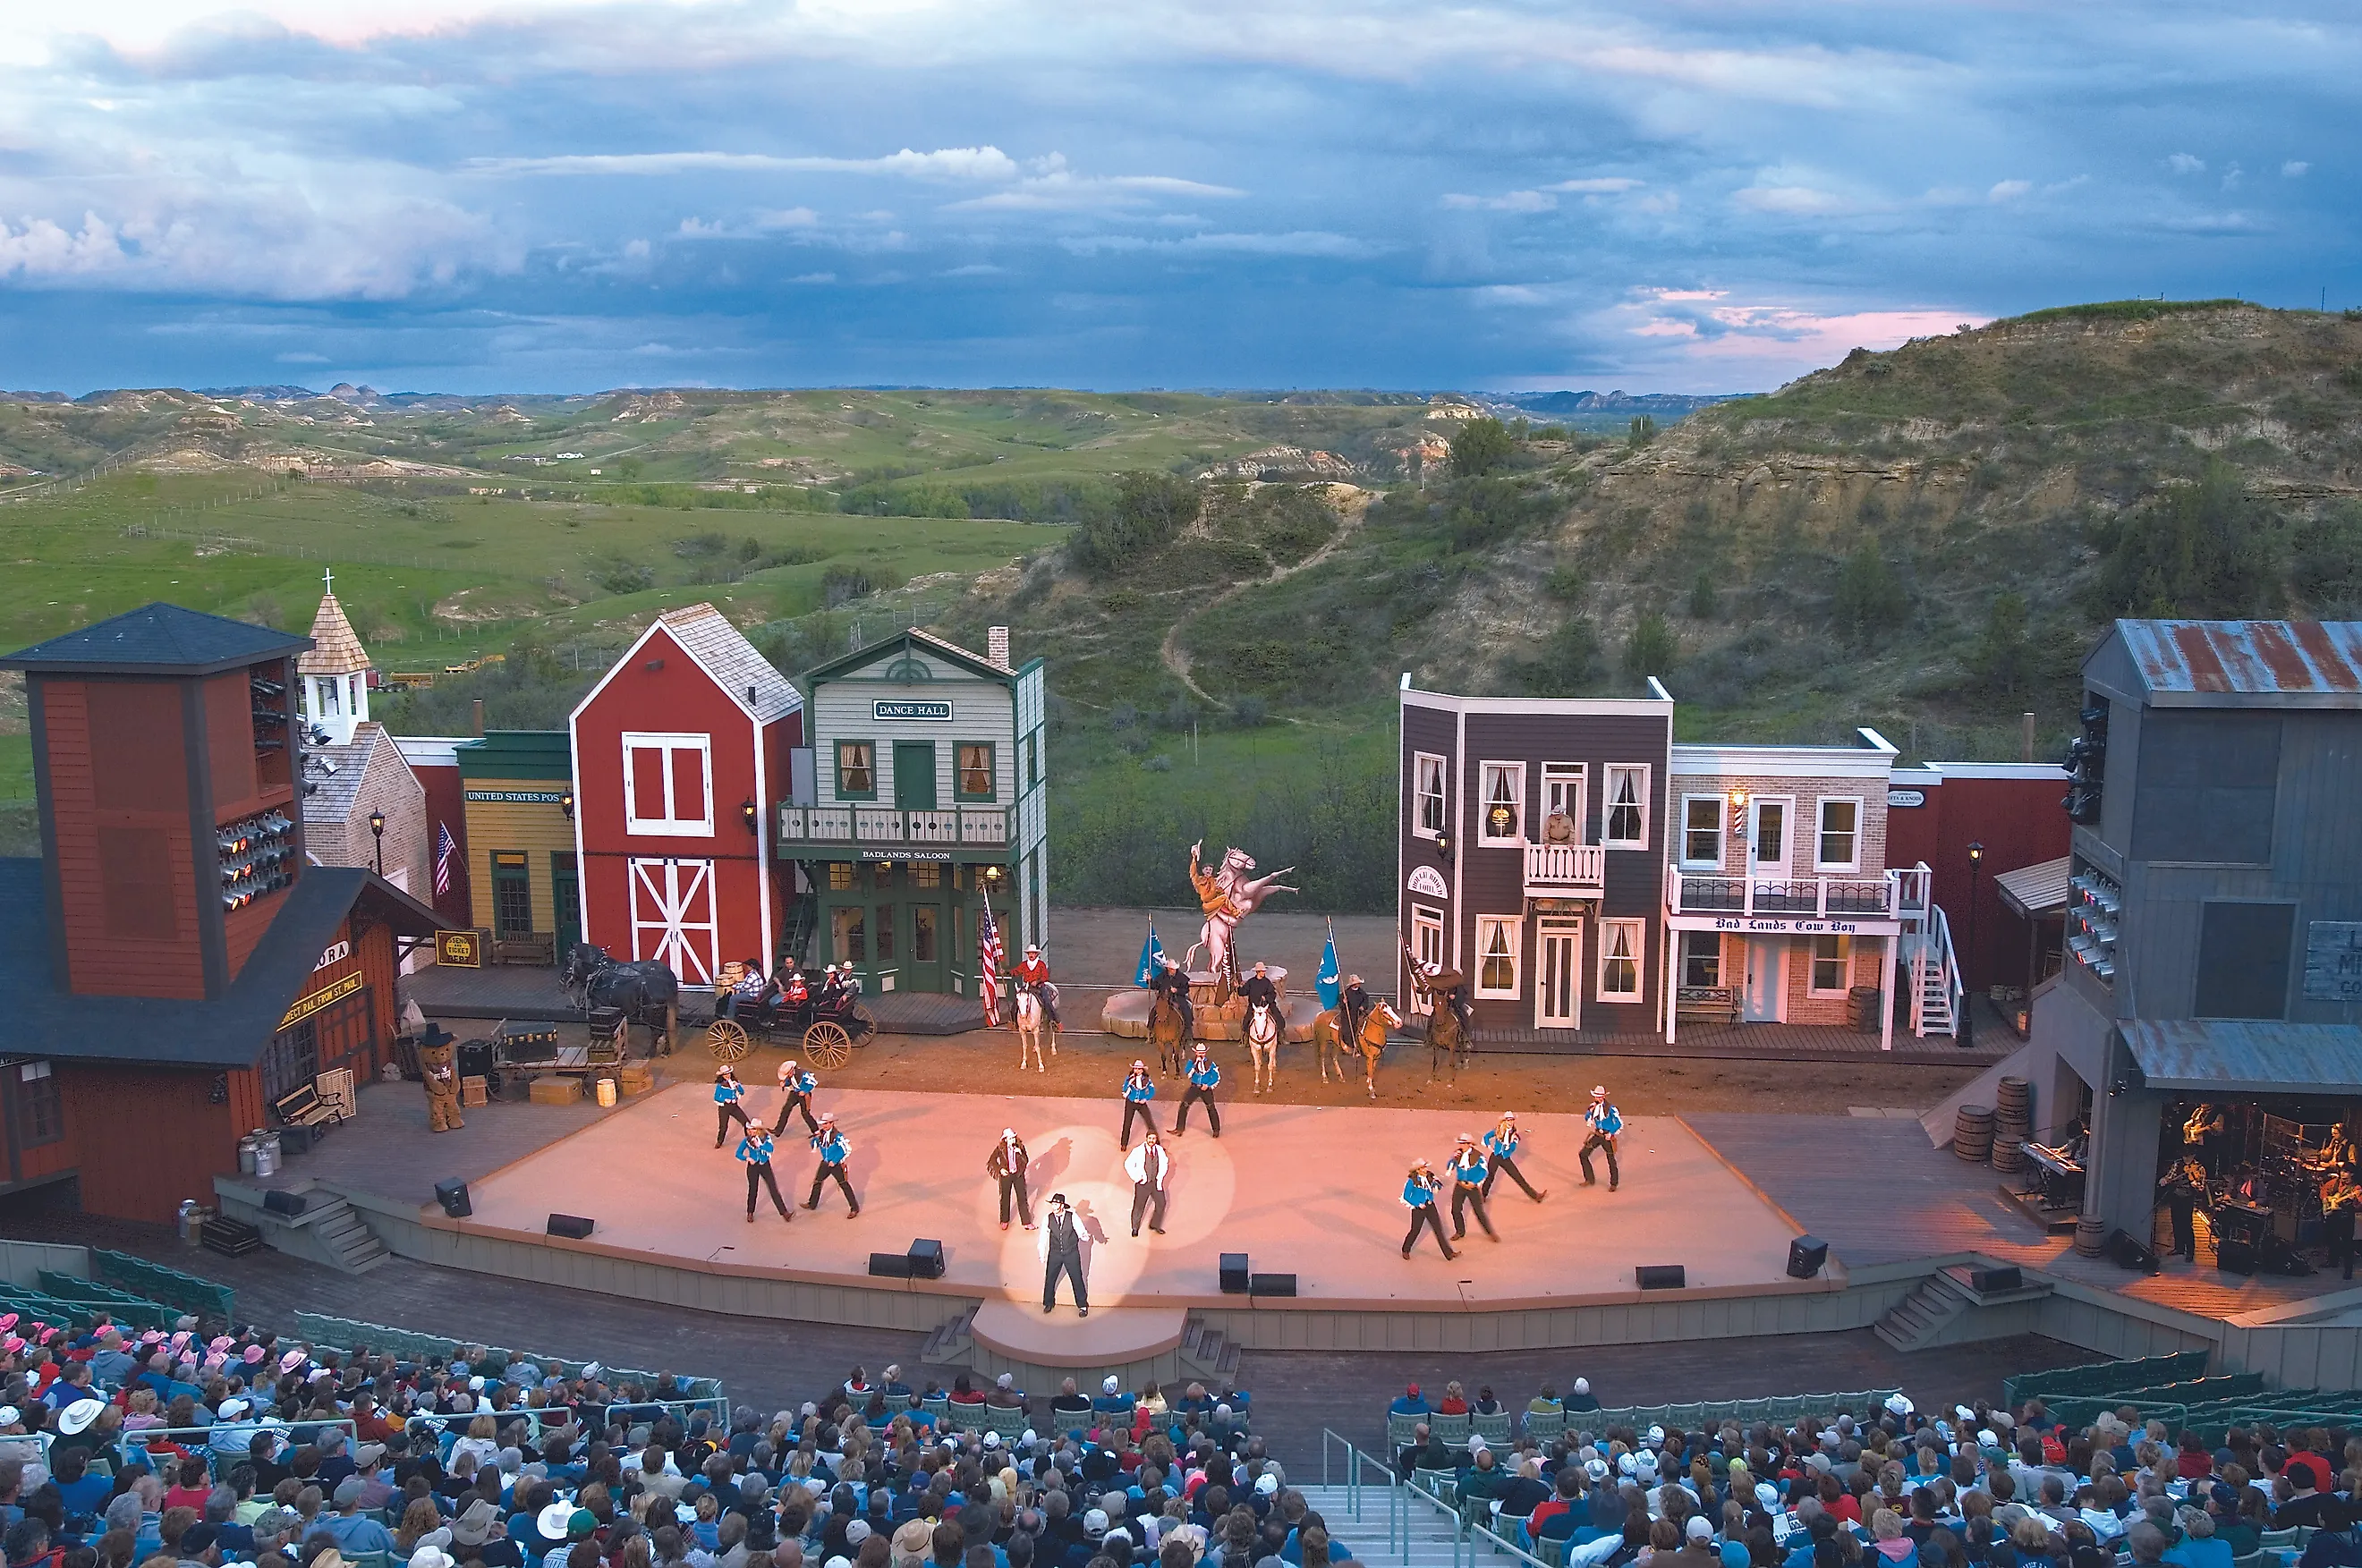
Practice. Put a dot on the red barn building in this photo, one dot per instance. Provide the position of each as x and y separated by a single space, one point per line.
174 963
2008 908
682 753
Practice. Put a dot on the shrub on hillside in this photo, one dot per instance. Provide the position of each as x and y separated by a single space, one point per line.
1868 599
1150 512
1479 446
2202 549
1650 648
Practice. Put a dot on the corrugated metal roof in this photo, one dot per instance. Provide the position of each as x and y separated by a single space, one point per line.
2039 889
2262 1055
2313 663
723 650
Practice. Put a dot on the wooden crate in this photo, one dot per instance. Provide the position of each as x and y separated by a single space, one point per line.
471 1092
634 1077
555 1089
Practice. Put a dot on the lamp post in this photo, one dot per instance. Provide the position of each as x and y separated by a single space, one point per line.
1967 993
376 827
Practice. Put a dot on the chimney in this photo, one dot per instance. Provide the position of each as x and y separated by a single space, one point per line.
996 646
479 706
2027 724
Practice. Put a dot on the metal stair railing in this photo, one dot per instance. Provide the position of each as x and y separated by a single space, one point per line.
1355 1462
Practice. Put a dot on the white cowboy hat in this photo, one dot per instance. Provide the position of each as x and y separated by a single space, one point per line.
1599 1091
1032 948
76 1417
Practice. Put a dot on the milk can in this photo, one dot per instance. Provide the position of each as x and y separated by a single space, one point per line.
266 1153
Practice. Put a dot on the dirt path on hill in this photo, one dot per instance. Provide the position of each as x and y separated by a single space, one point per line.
1175 658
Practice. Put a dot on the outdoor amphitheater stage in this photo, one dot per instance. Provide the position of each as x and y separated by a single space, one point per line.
1308 1191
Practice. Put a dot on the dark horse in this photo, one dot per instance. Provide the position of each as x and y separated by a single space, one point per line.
646 990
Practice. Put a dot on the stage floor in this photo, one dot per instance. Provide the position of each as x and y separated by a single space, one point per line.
1310 1191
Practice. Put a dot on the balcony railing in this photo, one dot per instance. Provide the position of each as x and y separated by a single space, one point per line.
1890 895
1565 871
973 825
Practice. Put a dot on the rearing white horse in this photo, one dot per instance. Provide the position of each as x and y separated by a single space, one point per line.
1228 895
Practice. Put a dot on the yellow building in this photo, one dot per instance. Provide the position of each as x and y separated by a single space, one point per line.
519 796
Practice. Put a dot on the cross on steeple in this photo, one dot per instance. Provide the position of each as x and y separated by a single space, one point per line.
328 578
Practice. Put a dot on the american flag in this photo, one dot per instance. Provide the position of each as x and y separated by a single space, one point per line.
989 957
446 851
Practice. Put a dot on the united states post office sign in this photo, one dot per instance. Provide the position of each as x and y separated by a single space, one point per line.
887 709
2333 960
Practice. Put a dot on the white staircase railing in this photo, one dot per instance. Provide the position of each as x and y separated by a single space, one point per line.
1937 994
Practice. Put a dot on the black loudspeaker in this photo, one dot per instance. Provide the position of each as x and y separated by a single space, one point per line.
280 1202
2130 1254
1996 1279
890 1265
299 1138
1807 1255
453 1195
1236 1278
2274 1255
1271 1285
926 1258
2235 1257
573 1225
1662 1276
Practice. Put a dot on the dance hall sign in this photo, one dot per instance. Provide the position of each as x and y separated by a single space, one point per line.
2333 960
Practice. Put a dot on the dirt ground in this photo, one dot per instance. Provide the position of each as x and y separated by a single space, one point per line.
1091 1066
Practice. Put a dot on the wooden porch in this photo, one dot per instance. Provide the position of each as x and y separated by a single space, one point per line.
1741 1042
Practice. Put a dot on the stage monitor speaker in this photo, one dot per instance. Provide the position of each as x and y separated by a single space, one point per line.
280 1202
890 1265
2010 1278
573 1225
2234 1256
926 1258
453 1195
2275 1255
1271 1285
299 1138
1806 1256
2130 1254
1662 1276
1236 1280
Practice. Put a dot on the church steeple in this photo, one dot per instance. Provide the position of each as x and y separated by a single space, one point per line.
335 671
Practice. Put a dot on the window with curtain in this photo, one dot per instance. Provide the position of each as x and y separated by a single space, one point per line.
976 780
1505 803
1496 954
1620 959
1625 825
1427 784
856 769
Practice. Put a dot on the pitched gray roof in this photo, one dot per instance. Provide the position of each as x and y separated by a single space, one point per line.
709 638
332 800
157 639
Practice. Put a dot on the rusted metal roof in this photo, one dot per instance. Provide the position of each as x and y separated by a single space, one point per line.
2306 663
2254 1055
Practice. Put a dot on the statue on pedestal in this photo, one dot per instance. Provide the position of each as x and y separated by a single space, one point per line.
1228 895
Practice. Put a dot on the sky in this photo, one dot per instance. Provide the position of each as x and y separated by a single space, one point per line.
1680 195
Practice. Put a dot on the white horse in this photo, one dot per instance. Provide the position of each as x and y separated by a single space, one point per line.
1231 896
1031 1025
1264 1030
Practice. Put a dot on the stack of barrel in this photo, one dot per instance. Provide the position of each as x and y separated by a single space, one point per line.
1972 1132
2012 1123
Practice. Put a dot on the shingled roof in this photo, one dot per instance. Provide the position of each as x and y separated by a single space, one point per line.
336 648
706 634
154 640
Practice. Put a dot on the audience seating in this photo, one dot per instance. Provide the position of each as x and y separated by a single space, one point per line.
159 1283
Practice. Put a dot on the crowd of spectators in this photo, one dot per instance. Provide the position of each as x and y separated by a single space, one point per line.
124 1450
1895 1489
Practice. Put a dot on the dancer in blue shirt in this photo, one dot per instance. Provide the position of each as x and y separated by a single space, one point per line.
1139 1088
754 1149
1203 1076
833 1151
728 1096
797 1084
1501 1153
1419 1197
1468 1189
1605 1123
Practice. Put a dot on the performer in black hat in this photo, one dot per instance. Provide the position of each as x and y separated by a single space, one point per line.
1063 1252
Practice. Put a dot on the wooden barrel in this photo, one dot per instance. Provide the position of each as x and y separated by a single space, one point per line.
2091 1235
1974 1119
1972 1132
2008 1126
2013 1097
2007 1153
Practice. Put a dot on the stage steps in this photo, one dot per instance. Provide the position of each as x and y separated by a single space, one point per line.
947 1344
349 1243
1948 1308
1206 1352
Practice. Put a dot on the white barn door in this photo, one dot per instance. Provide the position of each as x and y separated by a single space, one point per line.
672 917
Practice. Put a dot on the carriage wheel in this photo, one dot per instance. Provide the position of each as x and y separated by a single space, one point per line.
827 1044
861 1015
726 1038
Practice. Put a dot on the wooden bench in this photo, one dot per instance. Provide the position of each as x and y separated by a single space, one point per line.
1705 1004
533 947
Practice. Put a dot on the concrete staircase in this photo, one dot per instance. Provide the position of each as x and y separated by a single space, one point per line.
1207 1353
1428 1543
948 1345
1948 1308
350 1244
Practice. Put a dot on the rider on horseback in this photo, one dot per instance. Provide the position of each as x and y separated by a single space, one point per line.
1172 984
1259 990
1450 988
1354 1002
1033 973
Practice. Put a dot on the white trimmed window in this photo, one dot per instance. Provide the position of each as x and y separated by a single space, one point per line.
1563 796
669 785
1839 846
1624 820
1620 946
1832 965
1504 804
1498 940
1701 831
1702 958
1428 816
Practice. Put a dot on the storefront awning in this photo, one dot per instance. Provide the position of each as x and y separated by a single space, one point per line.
2036 889
2247 1056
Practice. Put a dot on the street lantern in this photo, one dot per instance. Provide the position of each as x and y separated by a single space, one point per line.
377 829
1967 992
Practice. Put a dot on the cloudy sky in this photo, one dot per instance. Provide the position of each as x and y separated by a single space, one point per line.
1695 195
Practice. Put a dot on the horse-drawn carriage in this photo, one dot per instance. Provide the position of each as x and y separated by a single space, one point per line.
828 1033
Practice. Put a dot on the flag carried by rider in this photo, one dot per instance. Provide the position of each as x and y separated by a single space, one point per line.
1326 981
1152 959
989 960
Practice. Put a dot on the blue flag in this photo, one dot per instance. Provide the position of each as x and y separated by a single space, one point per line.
1326 982
1152 958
